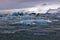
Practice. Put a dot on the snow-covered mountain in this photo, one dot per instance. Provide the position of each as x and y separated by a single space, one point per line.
54 10
31 10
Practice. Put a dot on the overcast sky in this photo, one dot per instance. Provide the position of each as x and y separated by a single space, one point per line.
15 4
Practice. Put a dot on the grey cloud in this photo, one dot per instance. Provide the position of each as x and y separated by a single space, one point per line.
12 4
